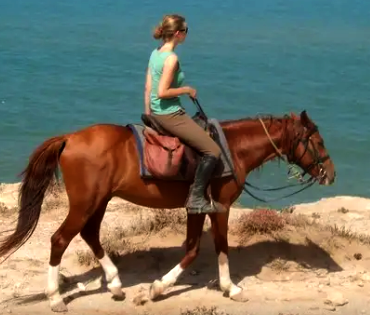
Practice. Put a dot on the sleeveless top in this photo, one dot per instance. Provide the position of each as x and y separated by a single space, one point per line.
168 105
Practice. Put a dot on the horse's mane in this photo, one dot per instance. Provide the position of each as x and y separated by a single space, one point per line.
242 121
239 124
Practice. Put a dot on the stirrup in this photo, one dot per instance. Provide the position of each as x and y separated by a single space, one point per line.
216 207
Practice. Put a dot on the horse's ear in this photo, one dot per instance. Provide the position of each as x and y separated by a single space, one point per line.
306 121
294 116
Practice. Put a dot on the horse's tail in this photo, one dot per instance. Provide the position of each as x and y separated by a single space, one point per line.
37 177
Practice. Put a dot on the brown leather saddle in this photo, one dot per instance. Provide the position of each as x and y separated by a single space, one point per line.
165 155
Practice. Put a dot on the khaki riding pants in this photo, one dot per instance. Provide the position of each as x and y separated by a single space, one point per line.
181 125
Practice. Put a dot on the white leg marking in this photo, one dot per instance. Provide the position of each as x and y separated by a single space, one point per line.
226 284
111 272
171 277
52 290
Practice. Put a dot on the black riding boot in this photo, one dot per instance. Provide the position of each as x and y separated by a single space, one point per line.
196 202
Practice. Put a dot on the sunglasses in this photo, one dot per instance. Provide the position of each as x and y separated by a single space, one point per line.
185 30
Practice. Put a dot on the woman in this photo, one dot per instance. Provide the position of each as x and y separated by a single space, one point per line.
164 85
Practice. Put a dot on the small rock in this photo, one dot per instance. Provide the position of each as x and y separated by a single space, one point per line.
81 286
335 299
363 312
365 277
322 272
358 256
140 299
324 282
330 308
360 284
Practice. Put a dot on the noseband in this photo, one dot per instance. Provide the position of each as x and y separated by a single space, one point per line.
317 160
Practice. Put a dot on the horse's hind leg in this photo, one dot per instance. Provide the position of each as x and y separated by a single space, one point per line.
90 233
60 240
195 224
85 203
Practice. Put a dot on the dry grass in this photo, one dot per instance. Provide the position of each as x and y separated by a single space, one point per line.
284 226
292 228
174 219
259 221
116 243
330 237
335 230
6 211
203 311
157 220
55 197
279 265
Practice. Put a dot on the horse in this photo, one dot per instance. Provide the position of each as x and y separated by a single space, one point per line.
101 161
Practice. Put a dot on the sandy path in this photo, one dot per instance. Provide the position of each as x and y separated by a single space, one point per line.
271 273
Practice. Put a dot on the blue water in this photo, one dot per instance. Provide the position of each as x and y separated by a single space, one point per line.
65 65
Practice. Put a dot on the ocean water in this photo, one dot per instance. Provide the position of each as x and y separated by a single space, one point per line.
66 65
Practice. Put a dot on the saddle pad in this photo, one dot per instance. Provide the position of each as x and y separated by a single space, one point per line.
223 171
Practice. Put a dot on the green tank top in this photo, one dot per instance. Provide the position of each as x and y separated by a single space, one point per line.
169 105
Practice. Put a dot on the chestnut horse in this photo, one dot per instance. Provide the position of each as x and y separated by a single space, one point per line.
101 161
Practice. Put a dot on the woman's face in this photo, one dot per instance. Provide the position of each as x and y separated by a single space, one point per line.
182 33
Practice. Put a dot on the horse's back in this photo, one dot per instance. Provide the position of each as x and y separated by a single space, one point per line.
97 140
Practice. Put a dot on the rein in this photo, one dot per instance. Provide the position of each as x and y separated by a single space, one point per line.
291 167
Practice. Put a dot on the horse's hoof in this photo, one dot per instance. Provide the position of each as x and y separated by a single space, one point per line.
118 294
156 289
239 297
59 307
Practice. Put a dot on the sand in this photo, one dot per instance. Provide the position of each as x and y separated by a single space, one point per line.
300 270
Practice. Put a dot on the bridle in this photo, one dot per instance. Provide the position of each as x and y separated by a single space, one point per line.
306 141
318 161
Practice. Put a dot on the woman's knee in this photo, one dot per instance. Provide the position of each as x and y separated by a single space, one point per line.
214 150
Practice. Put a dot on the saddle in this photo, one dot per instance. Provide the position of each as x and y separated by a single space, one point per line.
165 156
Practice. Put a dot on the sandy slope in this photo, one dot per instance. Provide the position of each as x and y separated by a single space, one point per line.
293 276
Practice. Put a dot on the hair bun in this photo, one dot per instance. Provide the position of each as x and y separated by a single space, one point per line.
169 25
158 32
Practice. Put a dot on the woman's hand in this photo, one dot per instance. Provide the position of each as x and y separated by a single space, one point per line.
192 92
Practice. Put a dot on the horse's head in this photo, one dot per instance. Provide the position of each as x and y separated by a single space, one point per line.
308 150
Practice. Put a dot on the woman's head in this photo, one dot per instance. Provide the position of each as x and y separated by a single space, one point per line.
172 27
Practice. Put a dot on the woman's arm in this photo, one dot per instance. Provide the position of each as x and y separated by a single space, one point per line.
148 87
169 68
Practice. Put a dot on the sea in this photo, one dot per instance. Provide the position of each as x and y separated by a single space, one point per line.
68 64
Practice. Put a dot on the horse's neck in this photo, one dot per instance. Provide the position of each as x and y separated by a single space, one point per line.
251 145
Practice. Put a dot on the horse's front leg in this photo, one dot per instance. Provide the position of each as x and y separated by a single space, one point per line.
219 230
195 224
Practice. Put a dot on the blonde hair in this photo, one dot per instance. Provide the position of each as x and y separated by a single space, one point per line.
169 25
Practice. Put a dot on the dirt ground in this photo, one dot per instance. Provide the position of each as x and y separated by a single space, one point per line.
317 262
